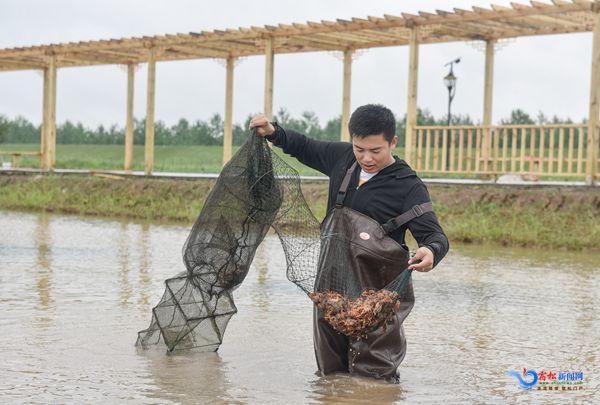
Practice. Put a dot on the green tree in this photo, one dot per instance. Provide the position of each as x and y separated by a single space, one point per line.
518 117
216 126
333 129
4 124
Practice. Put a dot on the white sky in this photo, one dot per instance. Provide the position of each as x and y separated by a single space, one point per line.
549 73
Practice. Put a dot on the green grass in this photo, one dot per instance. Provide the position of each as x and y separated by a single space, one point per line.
535 217
167 158
555 218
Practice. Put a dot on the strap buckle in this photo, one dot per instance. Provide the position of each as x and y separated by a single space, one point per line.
339 200
417 210
390 226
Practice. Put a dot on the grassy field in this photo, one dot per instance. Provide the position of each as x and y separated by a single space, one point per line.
171 158
538 217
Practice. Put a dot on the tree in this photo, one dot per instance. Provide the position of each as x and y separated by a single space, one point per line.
310 124
216 126
3 128
210 132
333 129
283 117
518 117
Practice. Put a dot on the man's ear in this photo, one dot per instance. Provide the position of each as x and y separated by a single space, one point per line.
394 142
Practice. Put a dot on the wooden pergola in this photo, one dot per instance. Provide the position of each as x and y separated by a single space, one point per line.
346 36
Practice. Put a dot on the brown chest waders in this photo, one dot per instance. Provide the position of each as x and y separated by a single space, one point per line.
375 260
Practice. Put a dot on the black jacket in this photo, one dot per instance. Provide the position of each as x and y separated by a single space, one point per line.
393 191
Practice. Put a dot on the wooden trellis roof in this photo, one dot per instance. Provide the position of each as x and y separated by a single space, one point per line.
442 26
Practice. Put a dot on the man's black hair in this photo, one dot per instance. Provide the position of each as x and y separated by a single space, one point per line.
372 119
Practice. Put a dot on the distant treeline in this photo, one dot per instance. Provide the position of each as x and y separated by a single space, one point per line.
20 130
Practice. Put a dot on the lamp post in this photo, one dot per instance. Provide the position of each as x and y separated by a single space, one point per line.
450 82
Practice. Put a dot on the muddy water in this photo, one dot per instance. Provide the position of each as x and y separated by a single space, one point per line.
74 292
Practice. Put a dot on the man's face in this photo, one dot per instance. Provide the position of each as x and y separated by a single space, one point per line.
373 152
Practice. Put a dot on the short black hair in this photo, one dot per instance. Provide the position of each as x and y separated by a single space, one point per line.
372 119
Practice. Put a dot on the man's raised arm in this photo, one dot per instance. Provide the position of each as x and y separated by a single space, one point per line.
319 155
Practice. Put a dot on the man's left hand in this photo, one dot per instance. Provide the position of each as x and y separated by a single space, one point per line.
426 256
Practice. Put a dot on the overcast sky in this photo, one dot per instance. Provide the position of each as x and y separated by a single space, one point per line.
548 73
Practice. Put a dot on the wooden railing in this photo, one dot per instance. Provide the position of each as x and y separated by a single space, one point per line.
16 156
545 150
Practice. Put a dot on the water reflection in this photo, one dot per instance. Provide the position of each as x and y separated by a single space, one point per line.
125 288
145 259
343 389
43 268
260 295
180 379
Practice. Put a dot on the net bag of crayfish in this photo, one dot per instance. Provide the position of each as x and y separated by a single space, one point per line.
357 317
358 290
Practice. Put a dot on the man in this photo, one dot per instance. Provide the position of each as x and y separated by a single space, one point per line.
384 188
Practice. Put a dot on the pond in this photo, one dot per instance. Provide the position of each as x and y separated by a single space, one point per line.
75 291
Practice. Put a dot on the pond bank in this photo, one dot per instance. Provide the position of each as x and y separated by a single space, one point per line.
558 218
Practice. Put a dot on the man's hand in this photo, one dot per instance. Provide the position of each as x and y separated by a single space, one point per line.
262 125
426 257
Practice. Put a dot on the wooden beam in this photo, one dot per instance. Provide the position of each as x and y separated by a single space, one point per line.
346 94
43 132
489 82
21 64
94 57
488 98
50 124
126 53
269 64
228 127
189 52
561 19
356 36
594 115
358 39
316 41
495 23
150 93
411 105
129 122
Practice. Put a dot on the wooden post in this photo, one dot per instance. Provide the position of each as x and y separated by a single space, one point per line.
49 155
149 141
592 138
269 62
411 107
43 140
129 122
228 127
347 86
487 101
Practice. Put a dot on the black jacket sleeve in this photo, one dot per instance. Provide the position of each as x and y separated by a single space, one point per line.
319 155
426 229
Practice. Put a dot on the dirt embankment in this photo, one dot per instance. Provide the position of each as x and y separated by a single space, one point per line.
566 218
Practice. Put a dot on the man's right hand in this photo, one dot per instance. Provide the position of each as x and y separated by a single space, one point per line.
262 125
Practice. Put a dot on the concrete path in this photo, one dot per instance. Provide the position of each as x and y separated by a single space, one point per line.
505 180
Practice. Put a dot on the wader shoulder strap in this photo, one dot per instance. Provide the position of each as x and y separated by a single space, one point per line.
416 211
339 200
